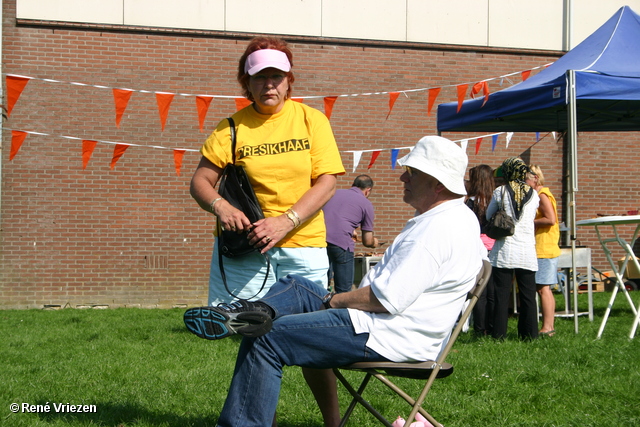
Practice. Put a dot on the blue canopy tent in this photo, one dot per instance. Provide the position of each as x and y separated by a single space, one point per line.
593 87
607 89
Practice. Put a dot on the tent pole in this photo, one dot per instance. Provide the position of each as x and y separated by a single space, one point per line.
572 125
568 25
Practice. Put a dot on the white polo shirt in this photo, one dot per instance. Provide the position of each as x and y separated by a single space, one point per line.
422 280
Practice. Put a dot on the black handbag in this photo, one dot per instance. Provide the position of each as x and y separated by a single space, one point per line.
500 224
236 189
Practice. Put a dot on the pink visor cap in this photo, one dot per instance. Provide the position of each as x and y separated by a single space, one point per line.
266 58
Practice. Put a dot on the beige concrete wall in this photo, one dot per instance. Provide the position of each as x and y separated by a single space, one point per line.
495 23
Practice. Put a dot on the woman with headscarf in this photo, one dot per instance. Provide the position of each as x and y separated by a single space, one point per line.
516 254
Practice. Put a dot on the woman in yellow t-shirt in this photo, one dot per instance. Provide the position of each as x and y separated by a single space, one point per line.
547 249
291 158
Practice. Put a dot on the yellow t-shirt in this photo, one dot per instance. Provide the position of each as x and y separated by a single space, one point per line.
282 153
547 237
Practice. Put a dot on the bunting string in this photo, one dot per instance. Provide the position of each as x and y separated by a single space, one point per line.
19 136
16 84
524 74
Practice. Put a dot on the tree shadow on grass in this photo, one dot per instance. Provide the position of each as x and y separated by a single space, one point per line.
123 414
118 415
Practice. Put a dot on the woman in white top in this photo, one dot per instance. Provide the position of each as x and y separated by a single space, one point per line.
515 254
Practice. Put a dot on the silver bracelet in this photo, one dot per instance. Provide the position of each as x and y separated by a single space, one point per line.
293 216
212 204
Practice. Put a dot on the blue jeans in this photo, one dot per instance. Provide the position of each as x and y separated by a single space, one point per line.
301 336
245 274
341 267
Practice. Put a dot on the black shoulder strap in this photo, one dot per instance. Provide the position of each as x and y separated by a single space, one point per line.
232 131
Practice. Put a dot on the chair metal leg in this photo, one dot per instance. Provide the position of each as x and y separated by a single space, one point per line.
357 398
379 369
410 400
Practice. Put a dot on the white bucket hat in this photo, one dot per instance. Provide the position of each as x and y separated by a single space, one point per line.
442 159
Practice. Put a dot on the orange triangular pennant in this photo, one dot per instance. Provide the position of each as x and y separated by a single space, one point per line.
177 159
475 89
118 151
164 102
478 142
202 104
526 74
87 150
374 156
15 86
433 94
17 138
121 98
393 96
300 100
242 103
485 91
328 105
462 90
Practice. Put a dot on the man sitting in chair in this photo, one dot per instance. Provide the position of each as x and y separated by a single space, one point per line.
404 309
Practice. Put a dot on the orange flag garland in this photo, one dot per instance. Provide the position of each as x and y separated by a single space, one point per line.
87 150
118 151
17 138
393 96
202 104
164 102
177 159
242 103
433 94
15 86
462 90
328 105
121 98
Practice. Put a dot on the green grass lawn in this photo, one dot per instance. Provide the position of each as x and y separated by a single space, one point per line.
140 367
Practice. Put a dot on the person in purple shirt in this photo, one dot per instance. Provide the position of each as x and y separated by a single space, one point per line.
343 213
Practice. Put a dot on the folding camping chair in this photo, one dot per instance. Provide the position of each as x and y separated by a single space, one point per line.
429 370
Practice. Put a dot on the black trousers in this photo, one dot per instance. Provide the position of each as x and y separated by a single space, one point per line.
528 317
483 310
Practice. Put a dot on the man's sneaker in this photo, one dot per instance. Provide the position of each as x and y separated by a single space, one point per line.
241 317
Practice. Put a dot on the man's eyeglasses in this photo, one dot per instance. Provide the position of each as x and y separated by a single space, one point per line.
411 171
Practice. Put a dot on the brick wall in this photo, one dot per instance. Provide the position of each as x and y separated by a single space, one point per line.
132 235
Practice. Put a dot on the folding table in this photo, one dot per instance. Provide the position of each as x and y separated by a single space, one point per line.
613 222
582 258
